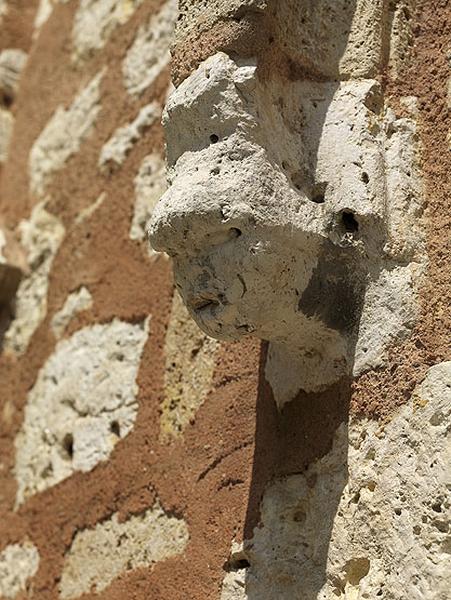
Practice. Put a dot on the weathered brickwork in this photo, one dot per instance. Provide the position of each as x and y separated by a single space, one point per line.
141 458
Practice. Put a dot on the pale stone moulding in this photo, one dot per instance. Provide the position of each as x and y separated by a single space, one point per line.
293 214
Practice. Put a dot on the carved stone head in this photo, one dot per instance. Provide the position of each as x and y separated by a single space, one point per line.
282 215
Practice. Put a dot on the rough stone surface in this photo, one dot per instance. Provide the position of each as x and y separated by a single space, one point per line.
149 54
371 518
150 185
121 142
12 61
41 237
141 541
95 21
83 402
291 241
190 360
63 135
76 302
18 564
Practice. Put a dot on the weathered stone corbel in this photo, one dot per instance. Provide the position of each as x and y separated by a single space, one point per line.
292 215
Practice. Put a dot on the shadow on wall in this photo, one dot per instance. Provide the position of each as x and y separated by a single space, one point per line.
286 557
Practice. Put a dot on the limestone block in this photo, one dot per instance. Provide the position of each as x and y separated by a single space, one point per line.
95 21
12 61
401 36
83 402
18 564
149 54
190 360
76 302
6 131
368 520
141 541
63 135
115 150
41 237
150 185
293 205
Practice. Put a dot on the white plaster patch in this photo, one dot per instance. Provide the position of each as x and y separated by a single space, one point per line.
368 520
63 135
149 54
41 237
95 21
83 402
190 361
141 541
150 185
115 150
18 564
76 302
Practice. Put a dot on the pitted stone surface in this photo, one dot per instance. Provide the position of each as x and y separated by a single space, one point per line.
150 185
83 402
274 233
141 541
95 21
190 360
149 54
18 564
368 520
76 302
121 142
63 135
41 237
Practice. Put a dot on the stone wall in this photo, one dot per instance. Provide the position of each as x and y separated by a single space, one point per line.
140 458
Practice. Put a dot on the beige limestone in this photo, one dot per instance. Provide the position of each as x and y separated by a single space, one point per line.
18 564
63 135
41 236
116 149
12 62
95 21
83 402
99 555
76 302
149 54
150 185
277 234
190 360
368 520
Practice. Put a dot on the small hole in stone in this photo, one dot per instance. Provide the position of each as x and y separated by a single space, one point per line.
319 193
398 511
437 507
235 232
68 444
214 138
236 564
115 428
365 177
7 100
349 221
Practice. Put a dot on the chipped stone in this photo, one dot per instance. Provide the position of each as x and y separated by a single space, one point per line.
95 21
292 241
374 507
150 185
76 302
141 541
63 135
149 54
18 564
115 150
83 402
41 237
190 361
